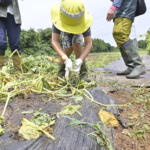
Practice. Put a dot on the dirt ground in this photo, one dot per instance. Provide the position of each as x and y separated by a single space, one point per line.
122 89
123 141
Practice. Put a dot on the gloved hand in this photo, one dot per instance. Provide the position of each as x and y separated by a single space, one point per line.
78 63
68 64
68 67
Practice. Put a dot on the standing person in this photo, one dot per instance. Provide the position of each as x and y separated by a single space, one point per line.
123 13
10 21
72 20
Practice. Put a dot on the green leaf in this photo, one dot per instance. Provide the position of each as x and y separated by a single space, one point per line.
2 130
46 84
28 112
77 99
70 110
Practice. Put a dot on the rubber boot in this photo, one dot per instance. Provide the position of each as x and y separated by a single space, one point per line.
133 60
127 62
136 72
1 61
61 70
125 72
84 73
17 62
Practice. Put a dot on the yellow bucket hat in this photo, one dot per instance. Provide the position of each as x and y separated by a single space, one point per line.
71 16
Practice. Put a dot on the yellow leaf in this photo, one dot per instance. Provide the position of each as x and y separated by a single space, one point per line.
31 131
2 130
108 118
53 59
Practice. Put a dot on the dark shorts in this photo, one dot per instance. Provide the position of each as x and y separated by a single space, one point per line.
69 39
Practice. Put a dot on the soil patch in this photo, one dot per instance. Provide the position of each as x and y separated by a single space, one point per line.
67 137
108 73
134 91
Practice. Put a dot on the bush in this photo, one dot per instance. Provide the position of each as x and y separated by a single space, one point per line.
39 43
148 41
100 46
36 43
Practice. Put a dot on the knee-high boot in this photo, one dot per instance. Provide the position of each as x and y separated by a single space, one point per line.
17 62
132 60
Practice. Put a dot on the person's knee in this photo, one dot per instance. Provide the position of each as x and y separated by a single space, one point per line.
120 38
118 34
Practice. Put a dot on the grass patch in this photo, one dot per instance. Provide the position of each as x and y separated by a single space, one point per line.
98 60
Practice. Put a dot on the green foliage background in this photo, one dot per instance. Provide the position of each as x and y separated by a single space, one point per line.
145 44
100 46
39 43
36 42
148 41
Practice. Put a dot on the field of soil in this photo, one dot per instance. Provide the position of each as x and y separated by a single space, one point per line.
111 89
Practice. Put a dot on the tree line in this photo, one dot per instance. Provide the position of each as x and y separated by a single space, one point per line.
39 43
145 44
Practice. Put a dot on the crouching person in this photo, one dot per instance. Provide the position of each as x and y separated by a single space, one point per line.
72 21
10 21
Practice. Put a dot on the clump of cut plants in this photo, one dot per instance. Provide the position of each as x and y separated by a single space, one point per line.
40 123
39 75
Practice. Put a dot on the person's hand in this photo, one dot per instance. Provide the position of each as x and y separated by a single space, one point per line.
78 63
110 14
68 64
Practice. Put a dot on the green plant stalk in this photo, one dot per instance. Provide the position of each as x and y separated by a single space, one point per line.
91 98
51 93
96 127
105 105
79 113
6 104
19 56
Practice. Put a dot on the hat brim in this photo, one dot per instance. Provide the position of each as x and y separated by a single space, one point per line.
76 29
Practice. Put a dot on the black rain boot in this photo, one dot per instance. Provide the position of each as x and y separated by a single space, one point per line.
125 72
133 60
127 62
61 70
84 73
136 72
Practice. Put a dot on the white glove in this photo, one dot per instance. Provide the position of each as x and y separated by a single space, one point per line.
78 63
68 64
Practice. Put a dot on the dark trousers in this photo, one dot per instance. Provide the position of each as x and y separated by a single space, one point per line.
9 28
